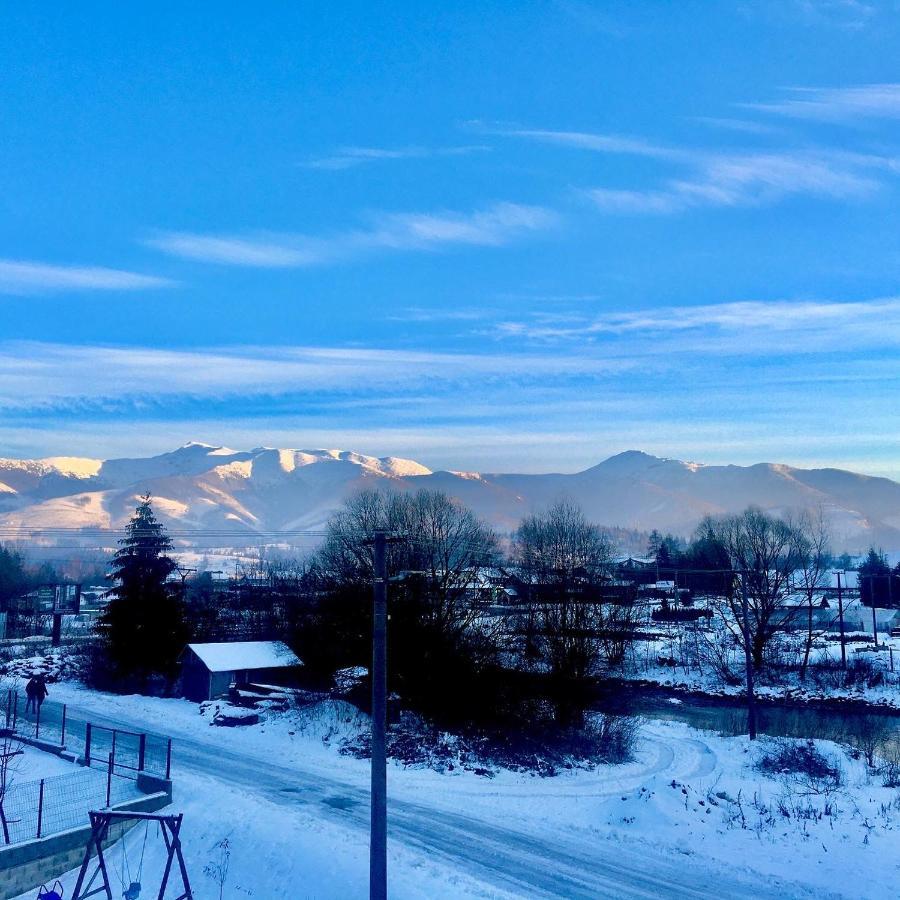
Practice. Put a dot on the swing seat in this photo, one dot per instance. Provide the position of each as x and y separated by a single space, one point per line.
54 893
133 892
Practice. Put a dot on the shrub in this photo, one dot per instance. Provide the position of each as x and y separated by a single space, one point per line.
802 761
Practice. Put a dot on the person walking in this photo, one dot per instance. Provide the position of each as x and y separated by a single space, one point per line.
40 691
31 694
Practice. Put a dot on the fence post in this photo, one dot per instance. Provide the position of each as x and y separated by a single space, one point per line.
40 808
62 739
15 710
109 776
87 743
37 720
142 751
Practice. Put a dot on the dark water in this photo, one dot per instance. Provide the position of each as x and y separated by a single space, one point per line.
861 729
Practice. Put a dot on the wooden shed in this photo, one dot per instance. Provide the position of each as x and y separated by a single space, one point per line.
209 670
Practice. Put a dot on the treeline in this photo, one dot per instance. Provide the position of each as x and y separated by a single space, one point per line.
18 576
469 644
879 584
481 629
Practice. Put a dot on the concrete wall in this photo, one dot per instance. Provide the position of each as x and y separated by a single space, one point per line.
25 866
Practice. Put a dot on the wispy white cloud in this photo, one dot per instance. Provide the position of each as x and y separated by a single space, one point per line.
745 126
725 178
266 250
850 15
451 314
601 143
764 328
608 345
844 105
35 373
26 277
494 226
751 179
350 157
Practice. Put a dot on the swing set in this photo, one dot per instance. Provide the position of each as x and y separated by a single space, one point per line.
168 826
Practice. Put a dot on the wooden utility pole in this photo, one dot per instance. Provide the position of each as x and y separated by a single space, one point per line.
841 620
378 835
748 660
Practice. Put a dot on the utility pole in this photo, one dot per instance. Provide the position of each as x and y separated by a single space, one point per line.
841 620
378 835
874 623
748 660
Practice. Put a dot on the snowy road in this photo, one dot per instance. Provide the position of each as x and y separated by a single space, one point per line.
509 860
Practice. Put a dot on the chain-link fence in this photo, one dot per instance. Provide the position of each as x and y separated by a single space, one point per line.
33 809
42 721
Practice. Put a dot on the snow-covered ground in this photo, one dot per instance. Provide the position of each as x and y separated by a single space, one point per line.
34 764
691 816
820 685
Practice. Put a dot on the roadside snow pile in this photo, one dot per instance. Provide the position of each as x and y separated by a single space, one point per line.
223 713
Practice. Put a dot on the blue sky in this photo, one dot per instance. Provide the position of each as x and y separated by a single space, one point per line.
484 235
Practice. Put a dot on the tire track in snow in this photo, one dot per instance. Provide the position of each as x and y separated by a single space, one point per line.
528 865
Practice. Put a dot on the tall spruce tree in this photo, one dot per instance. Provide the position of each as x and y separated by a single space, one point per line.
143 626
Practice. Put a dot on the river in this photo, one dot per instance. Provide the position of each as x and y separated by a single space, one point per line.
864 729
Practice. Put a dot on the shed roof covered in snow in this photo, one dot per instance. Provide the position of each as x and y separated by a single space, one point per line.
234 656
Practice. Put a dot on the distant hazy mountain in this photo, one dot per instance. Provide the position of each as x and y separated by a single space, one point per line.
200 486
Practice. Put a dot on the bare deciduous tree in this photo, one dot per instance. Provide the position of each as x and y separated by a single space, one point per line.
440 548
766 550
564 560
813 567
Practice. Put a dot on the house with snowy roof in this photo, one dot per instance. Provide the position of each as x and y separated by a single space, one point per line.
208 671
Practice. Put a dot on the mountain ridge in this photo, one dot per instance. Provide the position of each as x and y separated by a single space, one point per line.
202 486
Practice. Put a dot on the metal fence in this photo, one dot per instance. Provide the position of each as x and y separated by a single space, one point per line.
113 758
40 721
128 752
33 809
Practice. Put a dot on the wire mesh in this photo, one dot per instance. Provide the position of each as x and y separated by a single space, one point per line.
132 752
51 805
45 721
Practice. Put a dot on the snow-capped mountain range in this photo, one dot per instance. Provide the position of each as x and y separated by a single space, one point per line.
200 486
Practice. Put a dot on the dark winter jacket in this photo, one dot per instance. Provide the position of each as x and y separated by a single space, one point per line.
36 688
